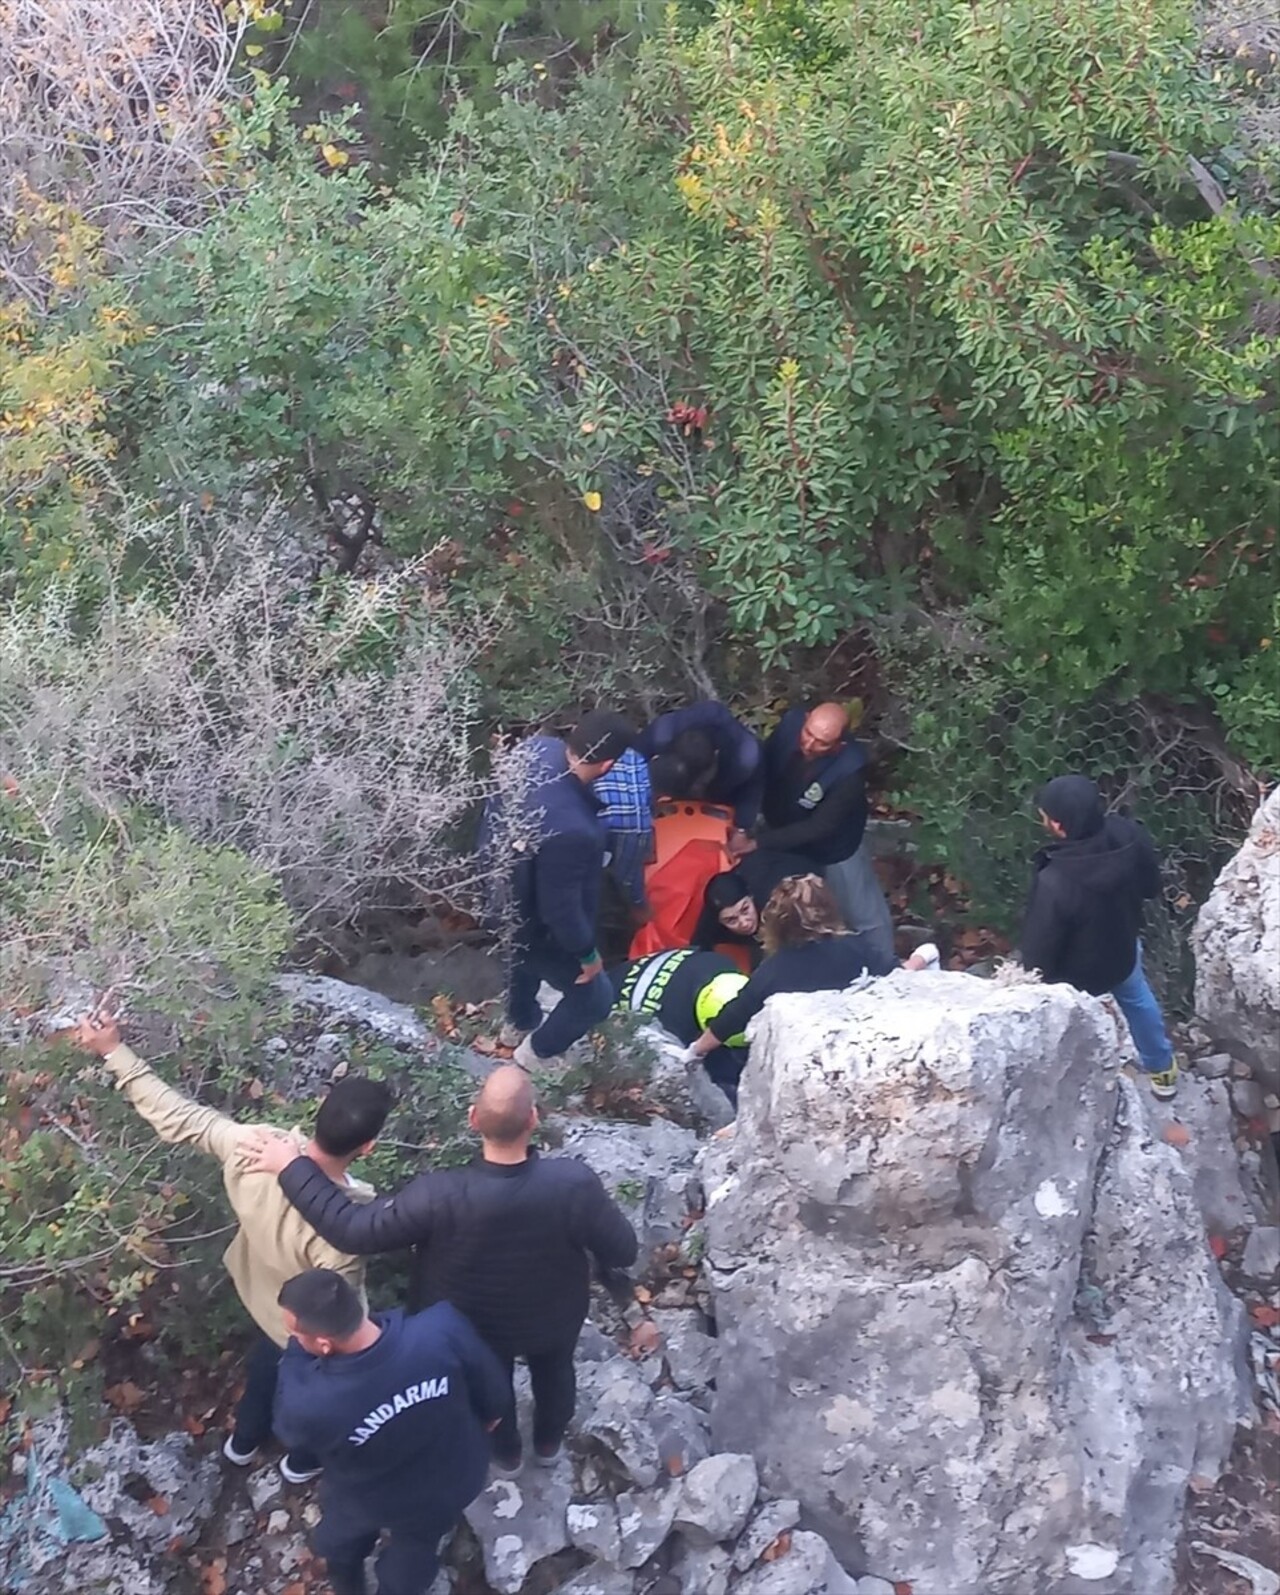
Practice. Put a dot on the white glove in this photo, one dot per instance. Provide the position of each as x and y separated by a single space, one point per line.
690 1055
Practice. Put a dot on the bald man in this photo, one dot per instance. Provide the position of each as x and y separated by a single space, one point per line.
815 804
508 1240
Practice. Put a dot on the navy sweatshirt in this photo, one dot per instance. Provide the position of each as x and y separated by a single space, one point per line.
739 777
828 963
557 890
509 1244
400 1427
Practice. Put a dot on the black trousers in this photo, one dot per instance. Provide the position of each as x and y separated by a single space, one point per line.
555 1389
253 1415
408 1561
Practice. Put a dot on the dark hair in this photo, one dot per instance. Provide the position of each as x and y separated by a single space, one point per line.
698 751
354 1112
323 1303
600 737
670 776
723 891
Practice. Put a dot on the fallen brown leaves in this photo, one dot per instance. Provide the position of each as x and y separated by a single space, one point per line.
779 1547
125 1397
1176 1135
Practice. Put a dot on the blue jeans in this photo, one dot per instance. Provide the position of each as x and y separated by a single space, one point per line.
1146 1023
580 1009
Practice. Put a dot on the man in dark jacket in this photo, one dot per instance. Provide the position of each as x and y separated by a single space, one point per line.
725 759
509 1240
815 804
556 890
396 1410
1084 916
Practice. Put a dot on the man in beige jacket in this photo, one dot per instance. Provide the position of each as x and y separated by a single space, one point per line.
274 1242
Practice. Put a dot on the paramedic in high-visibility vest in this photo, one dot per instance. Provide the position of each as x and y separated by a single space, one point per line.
815 804
684 989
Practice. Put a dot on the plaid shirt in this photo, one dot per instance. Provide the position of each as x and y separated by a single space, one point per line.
628 814
626 794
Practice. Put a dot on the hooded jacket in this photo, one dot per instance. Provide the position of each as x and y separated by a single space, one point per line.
1084 914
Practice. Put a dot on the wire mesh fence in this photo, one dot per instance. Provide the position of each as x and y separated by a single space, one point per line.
966 749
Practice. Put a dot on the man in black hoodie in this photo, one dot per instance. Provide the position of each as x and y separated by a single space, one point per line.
1085 913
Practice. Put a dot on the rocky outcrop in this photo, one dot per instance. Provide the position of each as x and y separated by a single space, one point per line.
643 1504
943 1244
1237 949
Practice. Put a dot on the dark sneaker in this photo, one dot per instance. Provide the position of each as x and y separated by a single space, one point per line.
545 1458
238 1458
292 1474
506 1465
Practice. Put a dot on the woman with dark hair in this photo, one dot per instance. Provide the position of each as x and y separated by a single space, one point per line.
807 948
730 919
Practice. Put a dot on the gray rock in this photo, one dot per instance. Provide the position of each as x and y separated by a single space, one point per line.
1229 1195
874 1586
599 1580
237 1525
616 1408
264 1486
701 1569
650 1170
773 1518
1261 1259
392 1022
593 1528
1248 1098
689 1351
683 1433
169 1467
808 1568
686 1090
912 1233
716 1498
644 1521
1214 1066
1237 948
521 1521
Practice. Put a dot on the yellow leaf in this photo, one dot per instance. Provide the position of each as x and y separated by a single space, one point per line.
333 155
588 427
592 500
253 49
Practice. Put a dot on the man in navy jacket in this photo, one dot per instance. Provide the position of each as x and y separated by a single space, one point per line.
815 804
727 759
556 893
396 1410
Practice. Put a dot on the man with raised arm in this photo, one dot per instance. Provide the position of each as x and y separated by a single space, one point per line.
509 1240
274 1241
396 1410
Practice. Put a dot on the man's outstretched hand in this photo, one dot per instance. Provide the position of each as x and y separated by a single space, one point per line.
267 1151
97 1033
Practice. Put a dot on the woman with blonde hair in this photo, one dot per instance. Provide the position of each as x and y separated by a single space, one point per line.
807 948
